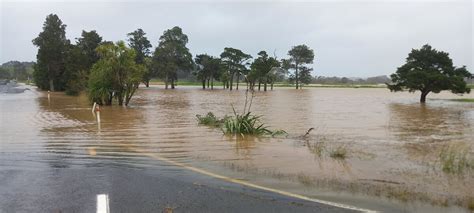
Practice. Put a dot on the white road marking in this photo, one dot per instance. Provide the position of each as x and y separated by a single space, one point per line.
103 203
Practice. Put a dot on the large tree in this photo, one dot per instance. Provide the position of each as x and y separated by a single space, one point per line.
299 56
115 75
172 55
53 45
429 70
87 43
208 69
140 43
261 69
305 76
235 61
79 61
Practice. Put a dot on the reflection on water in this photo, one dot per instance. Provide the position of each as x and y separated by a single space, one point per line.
424 123
381 131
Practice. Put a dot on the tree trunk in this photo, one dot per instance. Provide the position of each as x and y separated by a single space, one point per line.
296 75
51 85
238 77
265 86
166 84
172 83
259 83
231 80
147 83
120 99
423 96
271 86
203 84
212 83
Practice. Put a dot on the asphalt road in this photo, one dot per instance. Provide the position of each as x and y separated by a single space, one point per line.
155 189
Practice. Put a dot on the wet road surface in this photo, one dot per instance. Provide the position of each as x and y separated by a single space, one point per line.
137 190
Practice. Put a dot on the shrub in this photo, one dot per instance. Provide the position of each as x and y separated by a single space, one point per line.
210 120
339 152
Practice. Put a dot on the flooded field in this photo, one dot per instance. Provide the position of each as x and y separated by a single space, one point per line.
369 147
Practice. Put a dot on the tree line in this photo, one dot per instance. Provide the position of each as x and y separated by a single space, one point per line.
21 71
112 71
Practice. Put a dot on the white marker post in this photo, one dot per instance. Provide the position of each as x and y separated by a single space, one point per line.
97 110
93 107
49 96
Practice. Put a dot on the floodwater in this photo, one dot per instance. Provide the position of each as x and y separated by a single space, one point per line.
392 142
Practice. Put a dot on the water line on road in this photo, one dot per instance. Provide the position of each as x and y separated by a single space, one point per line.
244 183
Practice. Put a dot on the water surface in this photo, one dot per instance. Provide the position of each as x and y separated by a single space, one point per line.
393 141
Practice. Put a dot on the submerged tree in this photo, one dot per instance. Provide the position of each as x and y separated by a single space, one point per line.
53 45
208 69
172 55
261 70
429 70
305 75
235 62
140 43
115 75
299 56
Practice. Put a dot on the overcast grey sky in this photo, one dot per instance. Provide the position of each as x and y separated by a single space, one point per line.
350 38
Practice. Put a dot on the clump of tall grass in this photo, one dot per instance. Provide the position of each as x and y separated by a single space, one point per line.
245 124
454 159
210 120
240 124
339 152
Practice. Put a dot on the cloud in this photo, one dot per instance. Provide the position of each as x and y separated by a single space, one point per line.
350 38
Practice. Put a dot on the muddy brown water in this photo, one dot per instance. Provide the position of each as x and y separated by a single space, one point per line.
392 142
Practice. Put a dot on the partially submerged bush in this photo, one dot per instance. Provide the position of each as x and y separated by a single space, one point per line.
210 120
339 152
246 124
240 124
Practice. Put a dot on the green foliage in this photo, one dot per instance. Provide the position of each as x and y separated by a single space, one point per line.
115 75
172 55
4 74
245 124
87 44
20 71
263 70
235 61
305 75
140 43
53 45
469 100
429 70
299 56
210 120
208 69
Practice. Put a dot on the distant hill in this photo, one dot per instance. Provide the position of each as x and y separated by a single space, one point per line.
382 79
